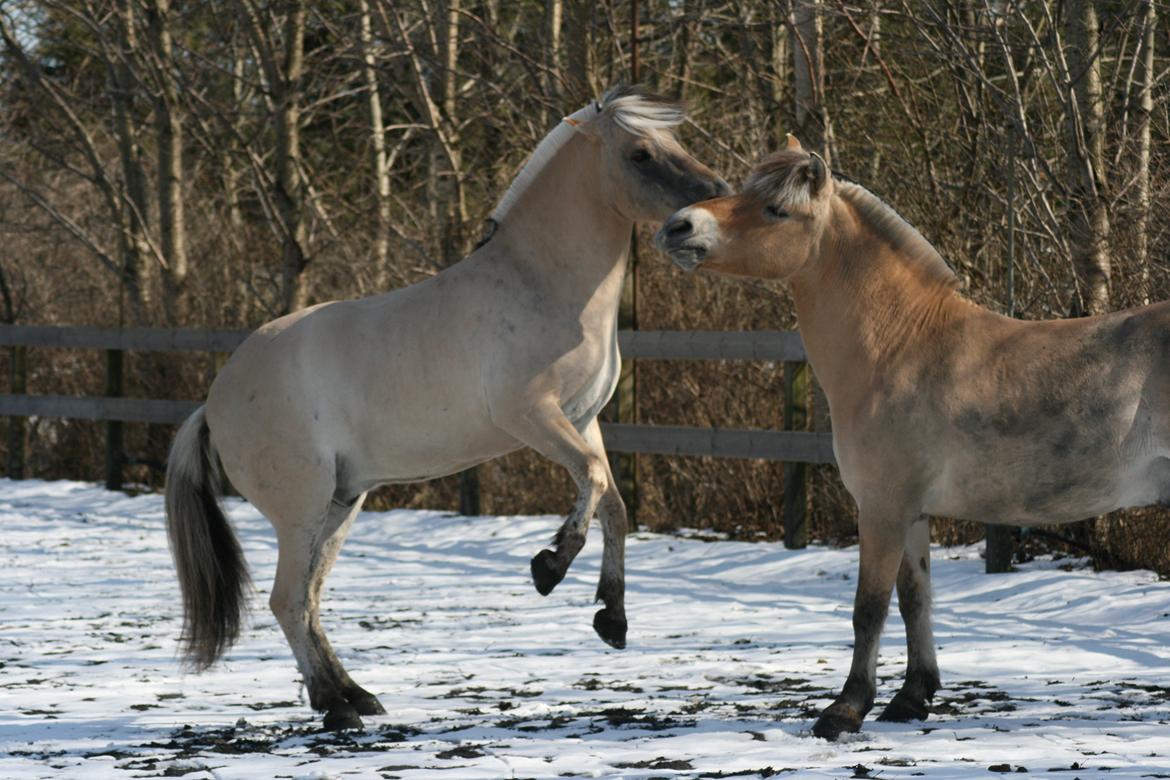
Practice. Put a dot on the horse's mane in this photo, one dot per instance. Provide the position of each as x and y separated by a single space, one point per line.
632 108
784 178
880 217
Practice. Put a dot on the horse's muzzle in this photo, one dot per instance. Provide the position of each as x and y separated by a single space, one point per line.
677 238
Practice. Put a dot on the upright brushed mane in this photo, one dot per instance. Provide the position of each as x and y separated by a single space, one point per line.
891 226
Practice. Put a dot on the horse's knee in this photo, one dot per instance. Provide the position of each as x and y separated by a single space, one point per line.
596 475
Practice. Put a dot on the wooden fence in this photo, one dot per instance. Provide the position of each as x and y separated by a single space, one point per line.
795 447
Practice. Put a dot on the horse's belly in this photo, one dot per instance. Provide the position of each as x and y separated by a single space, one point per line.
1040 491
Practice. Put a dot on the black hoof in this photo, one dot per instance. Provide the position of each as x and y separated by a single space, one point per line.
342 717
903 708
611 630
839 718
546 572
364 702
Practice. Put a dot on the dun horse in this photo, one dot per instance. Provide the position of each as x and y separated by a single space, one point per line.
939 406
514 346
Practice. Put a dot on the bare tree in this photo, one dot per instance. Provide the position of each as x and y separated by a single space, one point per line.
168 118
1088 214
1145 77
578 44
378 163
808 68
282 62
553 77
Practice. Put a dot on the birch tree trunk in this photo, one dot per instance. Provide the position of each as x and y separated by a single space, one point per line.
1146 76
135 203
1088 216
172 228
553 17
379 168
808 70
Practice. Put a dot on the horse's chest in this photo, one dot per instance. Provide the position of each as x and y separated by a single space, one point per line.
588 399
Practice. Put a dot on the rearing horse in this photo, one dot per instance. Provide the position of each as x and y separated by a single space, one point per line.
939 406
514 346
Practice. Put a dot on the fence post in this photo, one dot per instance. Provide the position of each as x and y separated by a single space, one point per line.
796 418
114 439
469 492
18 384
999 548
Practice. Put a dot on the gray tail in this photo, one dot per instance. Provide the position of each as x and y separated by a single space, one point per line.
213 575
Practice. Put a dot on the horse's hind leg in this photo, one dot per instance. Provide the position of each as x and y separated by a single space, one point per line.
306 555
912 701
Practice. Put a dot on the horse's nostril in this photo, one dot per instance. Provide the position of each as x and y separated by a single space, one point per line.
679 228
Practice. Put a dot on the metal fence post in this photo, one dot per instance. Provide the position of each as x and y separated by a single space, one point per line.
114 432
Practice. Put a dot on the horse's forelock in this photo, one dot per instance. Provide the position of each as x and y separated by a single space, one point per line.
781 178
641 112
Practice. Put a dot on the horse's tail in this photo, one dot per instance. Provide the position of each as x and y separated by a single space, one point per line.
212 573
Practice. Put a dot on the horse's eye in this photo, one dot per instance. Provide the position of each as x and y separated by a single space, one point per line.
776 213
640 156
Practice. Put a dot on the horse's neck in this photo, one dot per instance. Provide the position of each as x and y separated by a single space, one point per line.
564 231
864 308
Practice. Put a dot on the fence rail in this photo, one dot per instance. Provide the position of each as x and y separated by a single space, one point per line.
794 447
777 345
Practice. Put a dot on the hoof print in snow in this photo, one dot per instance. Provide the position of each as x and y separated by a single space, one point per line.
546 574
611 630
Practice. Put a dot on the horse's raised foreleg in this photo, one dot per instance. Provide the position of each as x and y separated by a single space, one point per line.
610 622
306 555
544 428
912 702
883 543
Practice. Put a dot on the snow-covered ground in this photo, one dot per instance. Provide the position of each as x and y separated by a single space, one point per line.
733 649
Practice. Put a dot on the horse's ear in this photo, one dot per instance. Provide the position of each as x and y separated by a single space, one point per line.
792 144
585 126
817 174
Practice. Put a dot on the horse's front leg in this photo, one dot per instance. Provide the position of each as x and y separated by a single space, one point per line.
912 702
610 622
544 427
883 542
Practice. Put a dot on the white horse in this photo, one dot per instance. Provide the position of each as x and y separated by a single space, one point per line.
514 346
